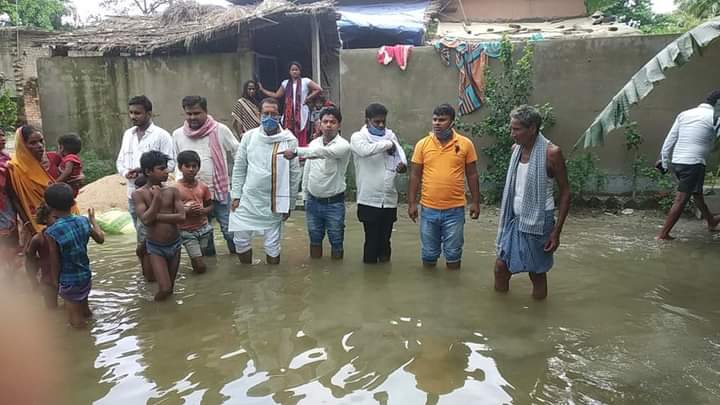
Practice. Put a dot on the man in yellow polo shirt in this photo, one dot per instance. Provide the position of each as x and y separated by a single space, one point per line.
441 162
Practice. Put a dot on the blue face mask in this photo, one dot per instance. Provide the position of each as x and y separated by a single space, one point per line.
375 131
443 134
269 123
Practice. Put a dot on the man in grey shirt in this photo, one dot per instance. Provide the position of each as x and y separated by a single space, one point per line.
685 151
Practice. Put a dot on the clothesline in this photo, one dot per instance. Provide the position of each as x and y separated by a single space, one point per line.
677 53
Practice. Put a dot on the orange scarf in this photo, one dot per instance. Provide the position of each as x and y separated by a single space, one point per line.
29 181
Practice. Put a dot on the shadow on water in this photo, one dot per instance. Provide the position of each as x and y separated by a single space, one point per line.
628 321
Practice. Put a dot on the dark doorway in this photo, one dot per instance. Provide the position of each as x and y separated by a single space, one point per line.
279 44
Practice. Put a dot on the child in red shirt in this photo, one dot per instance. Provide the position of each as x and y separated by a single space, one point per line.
70 167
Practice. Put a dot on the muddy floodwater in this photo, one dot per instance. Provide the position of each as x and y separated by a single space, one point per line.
628 321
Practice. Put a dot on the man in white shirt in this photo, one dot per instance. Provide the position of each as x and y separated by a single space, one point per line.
378 157
685 151
264 185
213 141
324 185
142 137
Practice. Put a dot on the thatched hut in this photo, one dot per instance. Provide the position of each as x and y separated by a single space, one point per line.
188 49
277 31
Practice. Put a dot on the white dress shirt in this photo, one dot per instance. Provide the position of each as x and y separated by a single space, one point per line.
132 148
325 167
228 143
691 137
375 181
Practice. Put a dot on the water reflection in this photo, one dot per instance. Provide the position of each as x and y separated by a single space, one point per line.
623 325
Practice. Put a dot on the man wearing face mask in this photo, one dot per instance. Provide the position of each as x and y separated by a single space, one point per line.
441 162
324 184
263 185
213 141
378 158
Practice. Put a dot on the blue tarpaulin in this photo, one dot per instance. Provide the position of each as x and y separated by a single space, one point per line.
375 25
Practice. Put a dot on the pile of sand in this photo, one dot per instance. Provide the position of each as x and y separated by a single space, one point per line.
105 194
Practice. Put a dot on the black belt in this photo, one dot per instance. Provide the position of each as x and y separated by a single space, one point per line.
329 200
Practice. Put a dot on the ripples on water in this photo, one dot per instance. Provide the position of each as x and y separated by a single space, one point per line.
628 321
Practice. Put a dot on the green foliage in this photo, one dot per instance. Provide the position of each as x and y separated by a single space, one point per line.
595 5
584 174
638 10
94 167
675 23
8 111
659 183
504 90
700 9
650 22
46 14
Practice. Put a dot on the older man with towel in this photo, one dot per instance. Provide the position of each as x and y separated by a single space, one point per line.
263 185
528 234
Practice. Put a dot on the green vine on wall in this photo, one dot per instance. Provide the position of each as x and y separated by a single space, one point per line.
584 174
644 176
504 90
8 107
8 111
509 87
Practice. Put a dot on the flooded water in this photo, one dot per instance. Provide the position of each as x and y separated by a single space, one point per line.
628 321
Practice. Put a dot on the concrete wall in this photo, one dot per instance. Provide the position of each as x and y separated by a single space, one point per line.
516 10
89 95
577 77
20 67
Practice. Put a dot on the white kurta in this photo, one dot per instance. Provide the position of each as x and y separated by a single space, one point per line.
252 180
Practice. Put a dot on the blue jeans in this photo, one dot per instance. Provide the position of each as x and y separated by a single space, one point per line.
442 229
320 218
221 213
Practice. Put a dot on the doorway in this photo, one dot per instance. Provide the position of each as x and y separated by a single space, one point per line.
279 44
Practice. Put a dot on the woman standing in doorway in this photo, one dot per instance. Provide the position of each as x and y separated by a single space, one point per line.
297 91
245 113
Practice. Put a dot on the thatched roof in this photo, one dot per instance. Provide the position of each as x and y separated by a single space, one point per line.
184 26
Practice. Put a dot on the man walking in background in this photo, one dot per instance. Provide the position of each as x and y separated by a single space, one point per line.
685 150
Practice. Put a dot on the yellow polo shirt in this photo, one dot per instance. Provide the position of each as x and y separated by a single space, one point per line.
443 179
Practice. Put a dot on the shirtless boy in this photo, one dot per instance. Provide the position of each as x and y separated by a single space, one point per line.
161 210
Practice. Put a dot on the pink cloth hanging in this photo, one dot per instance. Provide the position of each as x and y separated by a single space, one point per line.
399 53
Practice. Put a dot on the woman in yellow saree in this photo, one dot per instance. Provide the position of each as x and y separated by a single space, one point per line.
29 175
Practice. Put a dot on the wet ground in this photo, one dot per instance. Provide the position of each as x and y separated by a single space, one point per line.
628 321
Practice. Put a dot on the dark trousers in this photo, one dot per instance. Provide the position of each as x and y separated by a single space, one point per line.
378 225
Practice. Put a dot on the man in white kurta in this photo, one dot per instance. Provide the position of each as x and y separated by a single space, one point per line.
264 185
